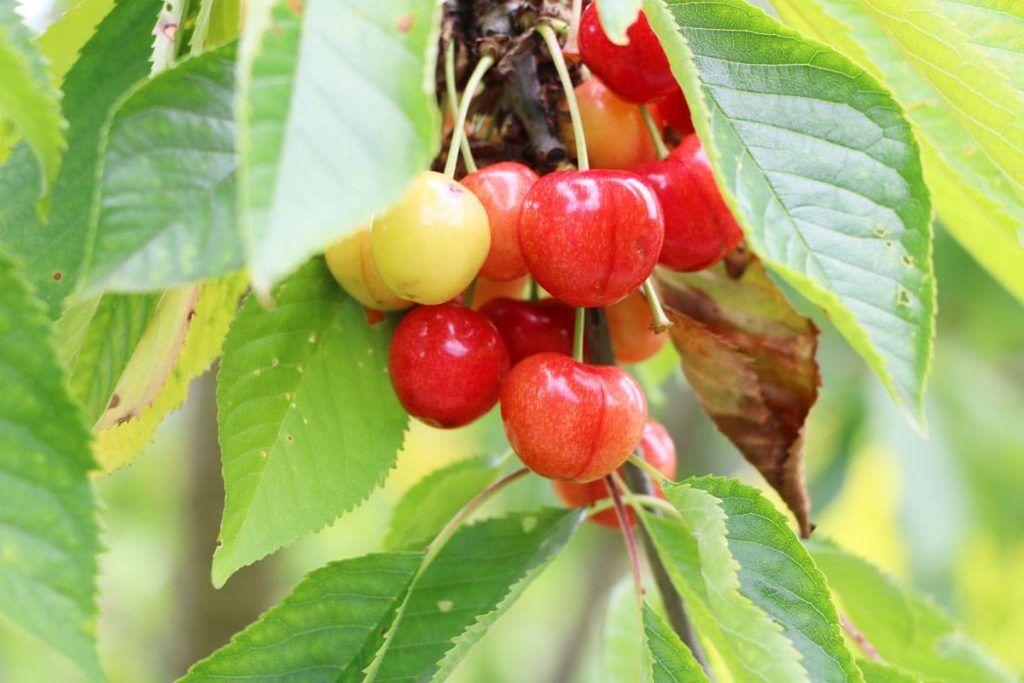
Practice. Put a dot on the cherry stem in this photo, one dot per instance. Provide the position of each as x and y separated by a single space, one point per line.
431 552
460 120
629 538
453 102
660 321
572 38
467 300
649 469
577 334
534 290
652 128
548 34
637 501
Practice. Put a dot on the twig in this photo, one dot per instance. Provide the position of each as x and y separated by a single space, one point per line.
863 643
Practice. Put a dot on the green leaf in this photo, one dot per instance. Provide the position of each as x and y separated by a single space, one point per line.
49 535
54 252
670 660
64 39
334 621
97 339
907 629
328 139
480 573
218 22
166 212
622 638
28 98
819 166
431 502
768 604
617 16
877 672
973 196
117 443
325 631
309 424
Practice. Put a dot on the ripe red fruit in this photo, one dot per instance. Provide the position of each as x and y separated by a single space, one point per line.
658 450
699 228
501 188
639 71
591 237
570 421
447 364
675 112
616 134
529 328
629 322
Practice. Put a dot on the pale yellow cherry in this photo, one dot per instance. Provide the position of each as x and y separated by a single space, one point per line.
431 244
352 266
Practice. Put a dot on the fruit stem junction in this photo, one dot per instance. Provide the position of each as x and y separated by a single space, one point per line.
578 333
458 132
453 103
551 40
660 321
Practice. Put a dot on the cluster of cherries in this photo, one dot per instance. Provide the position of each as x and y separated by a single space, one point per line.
589 238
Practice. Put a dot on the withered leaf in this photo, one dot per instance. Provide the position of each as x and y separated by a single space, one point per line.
749 356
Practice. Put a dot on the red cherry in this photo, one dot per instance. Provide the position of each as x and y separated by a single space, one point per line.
447 364
590 237
528 328
675 112
699 228
658 450
616 134
639 71
488 290
629 322
570 421
501 188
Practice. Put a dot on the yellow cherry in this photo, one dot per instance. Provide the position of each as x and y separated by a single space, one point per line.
351 264
431 244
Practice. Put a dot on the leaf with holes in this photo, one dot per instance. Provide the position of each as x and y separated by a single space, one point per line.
750 585
749 357
166 210
431 502
28 99
821 169
49 535
309 424
54 252
336 116
974 197
908 630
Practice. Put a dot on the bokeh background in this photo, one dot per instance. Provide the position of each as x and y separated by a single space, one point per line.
943 513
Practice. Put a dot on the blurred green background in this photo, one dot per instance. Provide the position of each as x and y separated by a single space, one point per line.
945 513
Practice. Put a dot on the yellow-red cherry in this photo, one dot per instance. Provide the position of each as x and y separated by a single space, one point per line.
629 322
570 421
657 449
638 71
591 237
447 364
616 134
501 188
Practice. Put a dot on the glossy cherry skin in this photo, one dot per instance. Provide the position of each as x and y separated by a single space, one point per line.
570 421
529 328
447 364
351 264
658 450
699 228
501 188
616 134
430 245
591 237
675 112
487 289
629 322
639 71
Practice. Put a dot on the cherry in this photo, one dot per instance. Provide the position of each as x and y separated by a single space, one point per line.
675 112
699 228
431 244
657 449
616 134
447 364
590 237
629 322
532 328
351 264
501 188
488 290
639 71
570 421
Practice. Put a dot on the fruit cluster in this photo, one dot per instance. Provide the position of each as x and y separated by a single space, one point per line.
589 238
